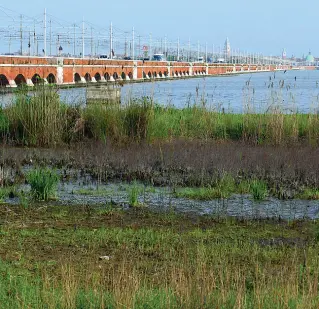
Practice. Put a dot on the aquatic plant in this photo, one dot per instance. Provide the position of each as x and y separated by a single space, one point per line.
309 194
43 182
258 189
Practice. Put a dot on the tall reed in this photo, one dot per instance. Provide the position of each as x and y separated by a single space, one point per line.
42 120
38 118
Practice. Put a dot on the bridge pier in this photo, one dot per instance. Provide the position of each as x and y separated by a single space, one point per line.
29 82
12 84
93 80
135 70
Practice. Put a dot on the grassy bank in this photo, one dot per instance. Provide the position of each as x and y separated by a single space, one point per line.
83 257
42 120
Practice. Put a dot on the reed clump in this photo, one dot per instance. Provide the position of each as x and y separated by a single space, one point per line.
43 182
37 119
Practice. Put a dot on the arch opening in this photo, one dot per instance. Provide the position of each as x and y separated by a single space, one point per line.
51 79
20 80
144 74
160 74
149 74
130 75
97 77
87 77
77 78
107 76
3 81
115 76
154 74
36 79
123 75
166 73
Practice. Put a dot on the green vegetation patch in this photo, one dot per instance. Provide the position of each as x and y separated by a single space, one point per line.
224 188
41 119
43 182
139 259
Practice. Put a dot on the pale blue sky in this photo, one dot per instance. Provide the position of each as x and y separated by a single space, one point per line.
251 25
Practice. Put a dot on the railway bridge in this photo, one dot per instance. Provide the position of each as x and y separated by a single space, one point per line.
19 70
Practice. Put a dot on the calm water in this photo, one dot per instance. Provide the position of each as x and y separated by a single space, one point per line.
259 92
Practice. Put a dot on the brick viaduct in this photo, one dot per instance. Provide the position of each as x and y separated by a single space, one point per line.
17 70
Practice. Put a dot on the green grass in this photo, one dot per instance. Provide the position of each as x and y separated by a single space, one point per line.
42 120
5 192
309 194
133 192
43 182
224 188
152 122
155 261
259 190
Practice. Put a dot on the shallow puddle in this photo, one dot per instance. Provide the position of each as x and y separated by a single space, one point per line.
86 192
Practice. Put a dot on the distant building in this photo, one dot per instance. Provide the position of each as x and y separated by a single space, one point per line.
227 49
284 54
310 59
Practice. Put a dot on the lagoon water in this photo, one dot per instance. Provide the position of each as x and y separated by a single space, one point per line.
291 91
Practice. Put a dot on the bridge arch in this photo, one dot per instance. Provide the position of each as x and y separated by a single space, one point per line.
77 78
166 73
144 74
115 76
107 76
3 81
160 74
51 79
87 77
36 79
97 76
154 74
149 74
130 75
20 80
123 75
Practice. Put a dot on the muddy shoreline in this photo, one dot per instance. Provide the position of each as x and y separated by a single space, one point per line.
177 163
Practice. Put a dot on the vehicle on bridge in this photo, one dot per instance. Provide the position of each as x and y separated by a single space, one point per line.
159 57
